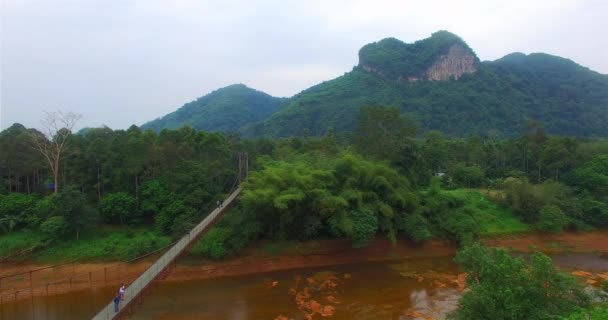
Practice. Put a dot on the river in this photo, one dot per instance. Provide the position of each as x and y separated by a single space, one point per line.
397 289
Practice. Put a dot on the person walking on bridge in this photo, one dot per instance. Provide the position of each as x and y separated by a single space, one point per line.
121 291
116 302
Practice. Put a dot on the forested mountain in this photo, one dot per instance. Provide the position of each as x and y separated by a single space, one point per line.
226 109
441 84
438 82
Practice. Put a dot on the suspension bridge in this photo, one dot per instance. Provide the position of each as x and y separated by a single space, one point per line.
135 291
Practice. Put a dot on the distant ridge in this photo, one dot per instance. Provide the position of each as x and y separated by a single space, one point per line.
226 109
438 81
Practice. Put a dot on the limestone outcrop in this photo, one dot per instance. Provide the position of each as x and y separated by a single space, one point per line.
453 65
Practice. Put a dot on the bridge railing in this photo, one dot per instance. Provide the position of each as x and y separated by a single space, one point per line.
143 281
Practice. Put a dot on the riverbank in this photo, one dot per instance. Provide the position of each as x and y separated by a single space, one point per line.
267 257
261 258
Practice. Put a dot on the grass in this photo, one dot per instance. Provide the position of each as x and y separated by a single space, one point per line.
107 243
13 243
493 219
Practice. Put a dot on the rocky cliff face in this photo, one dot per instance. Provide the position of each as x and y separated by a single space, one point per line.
453 65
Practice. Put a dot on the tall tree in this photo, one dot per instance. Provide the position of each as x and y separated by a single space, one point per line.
383 132
56 129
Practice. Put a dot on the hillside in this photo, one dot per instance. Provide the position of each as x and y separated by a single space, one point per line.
226 109
438 81
442 85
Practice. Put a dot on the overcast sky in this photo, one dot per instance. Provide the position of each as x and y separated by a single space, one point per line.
127 62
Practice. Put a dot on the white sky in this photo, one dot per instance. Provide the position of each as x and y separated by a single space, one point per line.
123 62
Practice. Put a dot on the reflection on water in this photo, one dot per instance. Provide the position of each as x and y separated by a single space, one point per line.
404 289
75 305
355 291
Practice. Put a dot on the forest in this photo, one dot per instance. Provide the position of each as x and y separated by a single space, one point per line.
118 194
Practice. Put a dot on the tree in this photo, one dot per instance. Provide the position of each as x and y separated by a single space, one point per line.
505 287
435 151
119 207
552 219
14 209
469 176
17 160
72 205
383 132
593 175
168 218
154 197
56 129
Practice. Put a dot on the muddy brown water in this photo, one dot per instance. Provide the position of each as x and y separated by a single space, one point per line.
398 289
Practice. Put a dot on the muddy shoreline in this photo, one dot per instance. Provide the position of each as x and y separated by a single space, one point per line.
316 253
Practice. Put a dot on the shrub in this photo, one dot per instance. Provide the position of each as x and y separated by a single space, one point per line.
365 226
141 245
54 227
415 227
166 218
119 207
551 219
213 244
14 211
469 176
505 287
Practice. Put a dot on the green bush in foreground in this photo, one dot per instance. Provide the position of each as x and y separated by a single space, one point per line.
597 313
506 287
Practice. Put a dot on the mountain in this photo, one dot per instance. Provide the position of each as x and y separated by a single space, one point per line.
439 82
226 109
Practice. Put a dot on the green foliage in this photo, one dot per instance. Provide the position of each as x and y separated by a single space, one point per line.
19 162
342 196
591 313
227 109
213 245
101 244
119 207
14 211
593 175
154 197
140 244
505 287
167 220
393 58
415 226
105 244
551 219
365 226
496 98
492 218
382 132
469 176
232 234
448 217
75 210
18 241
54 227
528 199
593 211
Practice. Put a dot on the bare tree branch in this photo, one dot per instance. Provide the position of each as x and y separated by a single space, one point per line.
56 128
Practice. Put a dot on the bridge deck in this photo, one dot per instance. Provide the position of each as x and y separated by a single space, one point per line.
141 283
